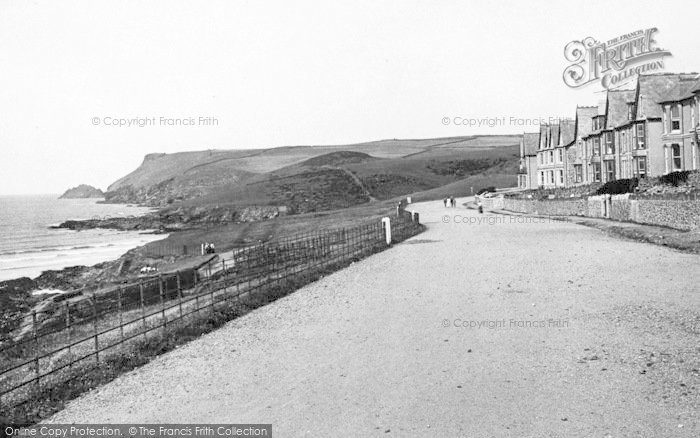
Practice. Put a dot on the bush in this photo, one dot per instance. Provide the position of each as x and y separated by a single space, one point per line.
675 178
618 187
490 189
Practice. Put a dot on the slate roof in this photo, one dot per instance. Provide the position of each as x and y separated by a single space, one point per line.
554 133
661 87
617 107
531 142
567 130
584 124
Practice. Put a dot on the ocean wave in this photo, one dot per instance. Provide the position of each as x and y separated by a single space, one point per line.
57 248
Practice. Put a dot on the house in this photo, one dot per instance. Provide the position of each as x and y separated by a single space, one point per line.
592 143
680 125
527 173
567 132
546 159
659 118
651 130
575 153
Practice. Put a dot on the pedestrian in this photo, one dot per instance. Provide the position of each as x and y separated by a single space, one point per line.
453 203
444 201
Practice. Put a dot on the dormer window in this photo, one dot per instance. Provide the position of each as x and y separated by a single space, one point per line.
598 123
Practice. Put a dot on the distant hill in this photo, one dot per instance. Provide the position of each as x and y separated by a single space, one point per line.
82 191
295 176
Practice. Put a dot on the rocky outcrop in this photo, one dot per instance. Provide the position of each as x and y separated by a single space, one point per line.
178 219
82 191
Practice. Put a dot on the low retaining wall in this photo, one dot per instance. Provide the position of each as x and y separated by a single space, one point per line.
682 213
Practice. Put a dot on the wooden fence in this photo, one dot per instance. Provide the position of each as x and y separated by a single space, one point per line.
42 349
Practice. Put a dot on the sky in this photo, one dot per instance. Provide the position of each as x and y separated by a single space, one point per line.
253 74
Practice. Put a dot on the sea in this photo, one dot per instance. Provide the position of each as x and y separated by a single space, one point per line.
29 246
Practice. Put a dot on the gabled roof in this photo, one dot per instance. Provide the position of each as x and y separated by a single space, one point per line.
567 130
544 130
683 88
656 88
584 124
531 142
696 87
617 107
554 134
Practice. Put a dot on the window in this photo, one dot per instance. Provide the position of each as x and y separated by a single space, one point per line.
609 143
596 172
598 123
692 115
640 167
596 146
675 118
676 156
623 141
578 173
561 177
609 170
630 111
641 136
551 156
560 156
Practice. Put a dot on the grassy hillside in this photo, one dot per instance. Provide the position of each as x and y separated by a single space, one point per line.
314 178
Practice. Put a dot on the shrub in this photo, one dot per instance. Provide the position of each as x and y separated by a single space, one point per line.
618 187
675 178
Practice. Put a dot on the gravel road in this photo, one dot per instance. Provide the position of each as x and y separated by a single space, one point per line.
573 333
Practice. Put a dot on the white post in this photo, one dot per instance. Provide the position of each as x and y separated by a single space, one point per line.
386 222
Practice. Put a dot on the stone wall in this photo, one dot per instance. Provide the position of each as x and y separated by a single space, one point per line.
681 213
560 207
675 213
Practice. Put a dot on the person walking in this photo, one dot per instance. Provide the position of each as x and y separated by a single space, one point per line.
444 201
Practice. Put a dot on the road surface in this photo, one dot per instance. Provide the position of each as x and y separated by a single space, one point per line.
471 329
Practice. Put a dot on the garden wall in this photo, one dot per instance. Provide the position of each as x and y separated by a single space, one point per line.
682 212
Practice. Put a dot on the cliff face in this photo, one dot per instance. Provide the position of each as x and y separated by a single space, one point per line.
82 191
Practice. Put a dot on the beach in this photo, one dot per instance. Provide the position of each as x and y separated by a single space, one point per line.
29 246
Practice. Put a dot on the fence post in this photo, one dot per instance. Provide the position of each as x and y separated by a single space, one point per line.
211 292
121 315
94 327
162 303
386 222
68 335
143 310
36 348
179 293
